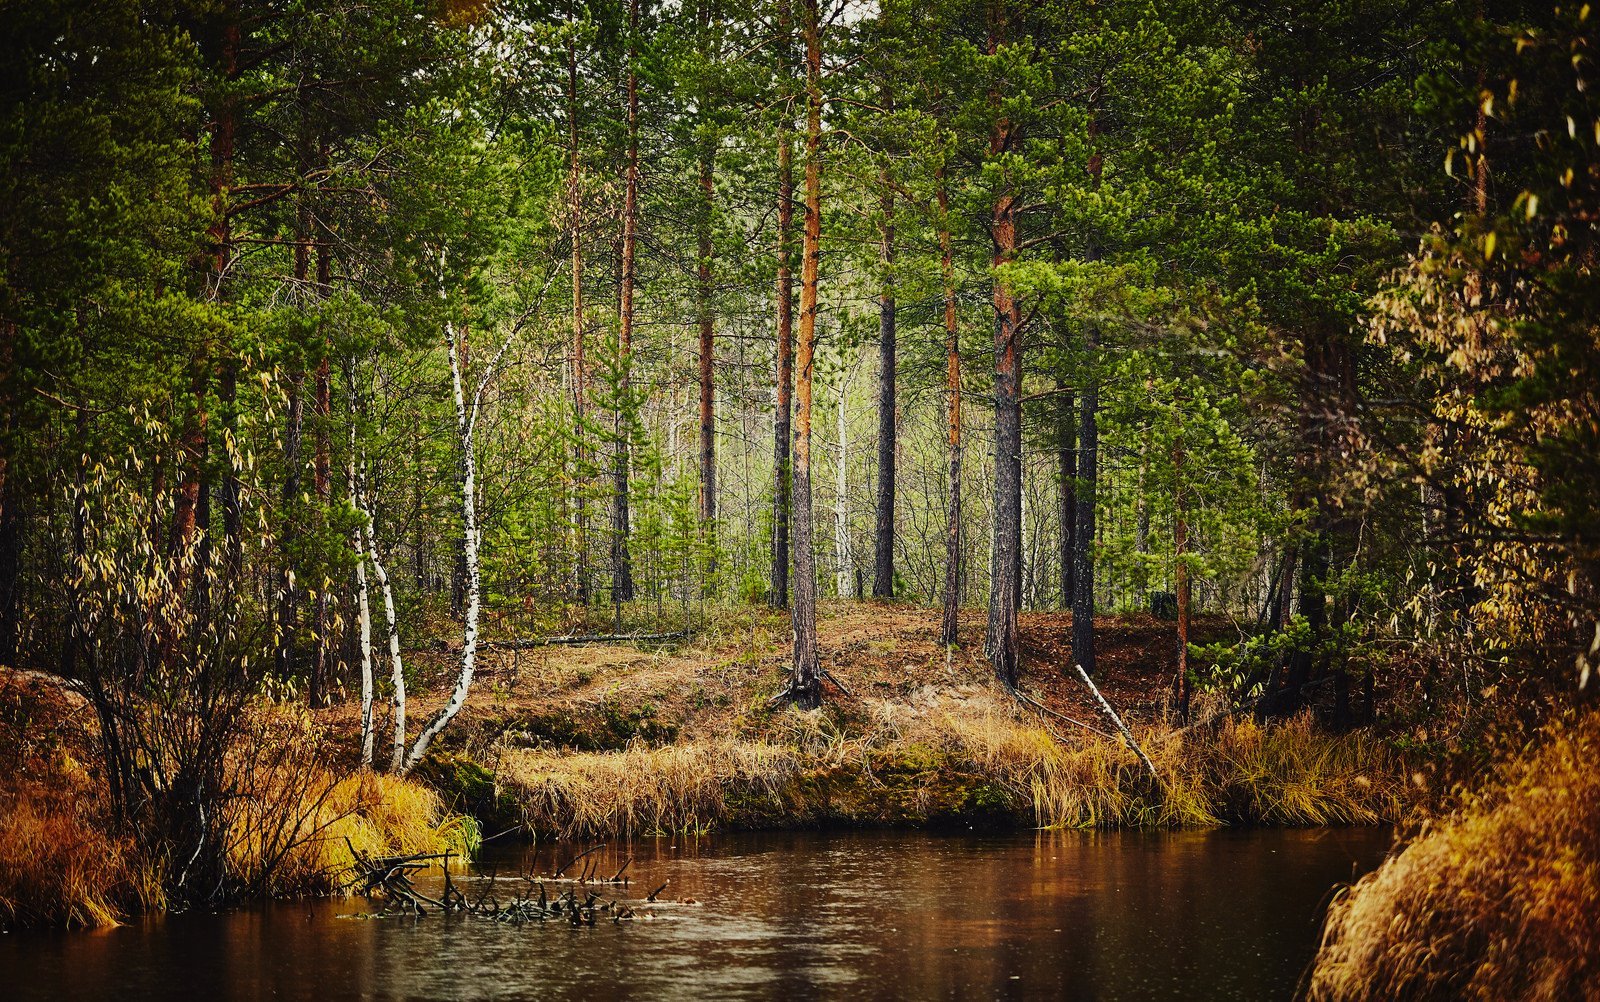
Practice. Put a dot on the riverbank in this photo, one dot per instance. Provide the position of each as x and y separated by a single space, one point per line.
622 739
619 739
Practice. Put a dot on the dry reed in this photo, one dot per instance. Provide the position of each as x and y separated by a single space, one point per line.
1497 901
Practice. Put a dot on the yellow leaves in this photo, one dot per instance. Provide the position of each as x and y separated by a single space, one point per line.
1488 245
1532 204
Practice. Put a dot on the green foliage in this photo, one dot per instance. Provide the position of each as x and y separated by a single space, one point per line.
1209 204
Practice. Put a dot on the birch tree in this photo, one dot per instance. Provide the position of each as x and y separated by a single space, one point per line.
467 410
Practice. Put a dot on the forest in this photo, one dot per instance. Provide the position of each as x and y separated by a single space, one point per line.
422 420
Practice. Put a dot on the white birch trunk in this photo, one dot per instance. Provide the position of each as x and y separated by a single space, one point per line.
397 674
364 625
469 542
1022 534
466 422
363 605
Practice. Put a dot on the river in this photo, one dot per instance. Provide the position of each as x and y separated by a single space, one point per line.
1064 915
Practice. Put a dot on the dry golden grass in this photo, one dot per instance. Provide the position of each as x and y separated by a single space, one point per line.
303 841
292 830
646 791
58 865
1497 901
956 754
58 869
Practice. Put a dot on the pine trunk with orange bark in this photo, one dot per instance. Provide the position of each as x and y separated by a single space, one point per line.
805 682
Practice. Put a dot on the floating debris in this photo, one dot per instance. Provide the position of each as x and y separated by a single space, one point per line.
391 876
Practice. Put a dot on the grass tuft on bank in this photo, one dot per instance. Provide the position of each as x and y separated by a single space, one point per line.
1496 901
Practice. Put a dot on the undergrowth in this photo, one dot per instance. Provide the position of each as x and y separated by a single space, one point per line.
64 863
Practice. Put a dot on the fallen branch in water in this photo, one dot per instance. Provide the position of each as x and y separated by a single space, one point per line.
392 876
568 864
1127 735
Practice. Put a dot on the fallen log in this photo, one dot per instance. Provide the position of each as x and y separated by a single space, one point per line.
529 643
590 638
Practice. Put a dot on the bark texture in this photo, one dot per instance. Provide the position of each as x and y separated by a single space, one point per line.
950 626
782 434
805 682
883 527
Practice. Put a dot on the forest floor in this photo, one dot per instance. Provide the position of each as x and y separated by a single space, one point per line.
619 738
602 695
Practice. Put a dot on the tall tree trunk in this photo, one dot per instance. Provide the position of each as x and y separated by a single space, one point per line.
1067 464
580 390
883 530
193 442
1327 373
950 626
322 479
782 474
621 564
1088 467
397 674
708 359
841 508
1180 535
1083 540
704 294
363 598
1005 580
466 422
458 572
1141 508
805 684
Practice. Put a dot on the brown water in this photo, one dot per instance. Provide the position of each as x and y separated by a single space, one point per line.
1189 915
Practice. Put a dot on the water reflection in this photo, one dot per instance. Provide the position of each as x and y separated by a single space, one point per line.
1226 915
